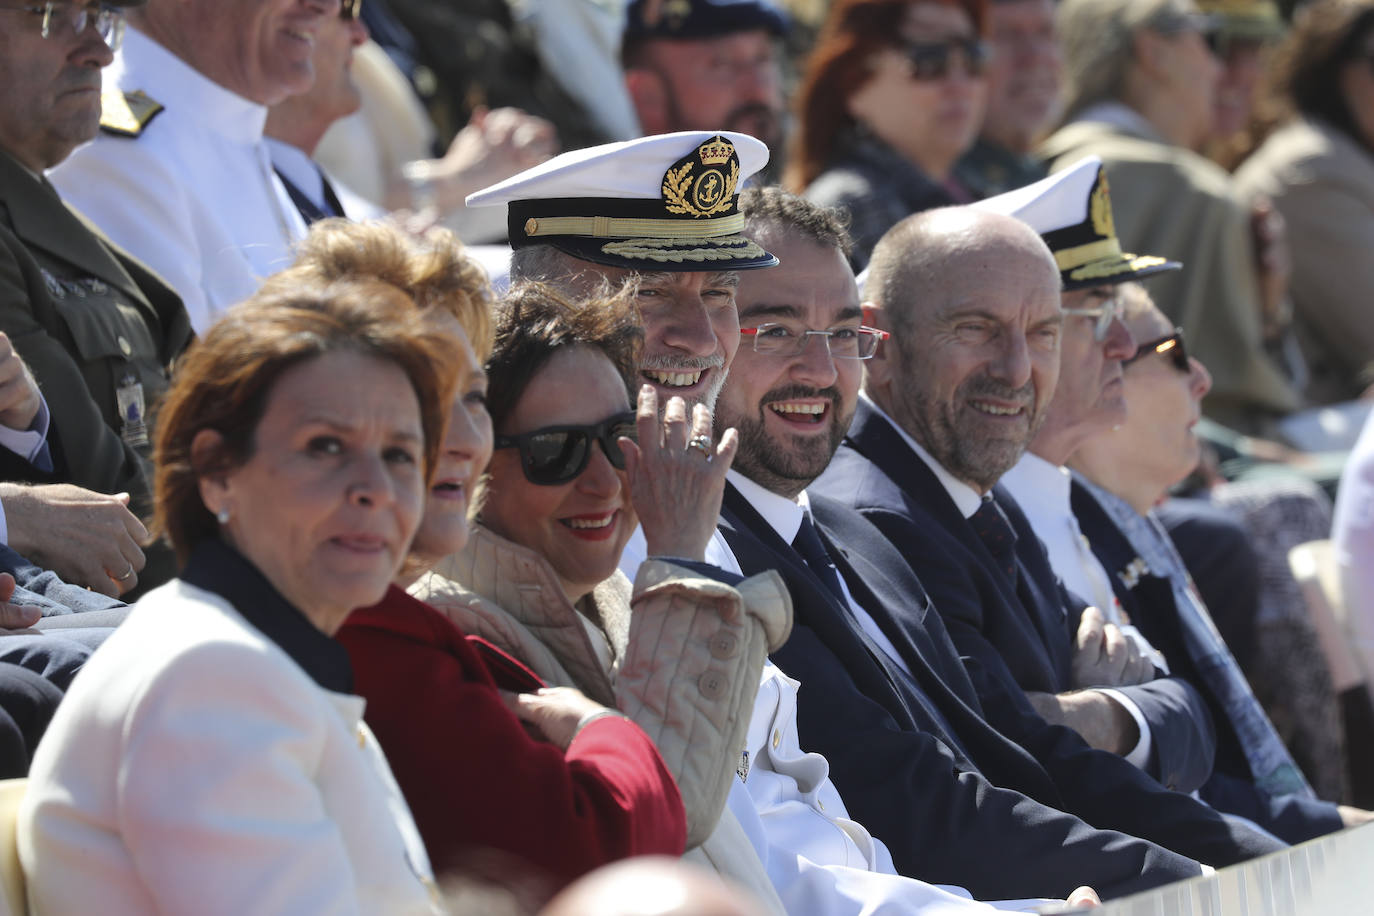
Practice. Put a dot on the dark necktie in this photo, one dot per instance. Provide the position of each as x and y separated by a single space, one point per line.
808 544
996 533
309 210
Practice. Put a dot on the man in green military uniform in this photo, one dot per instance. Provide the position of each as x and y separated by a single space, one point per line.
97 329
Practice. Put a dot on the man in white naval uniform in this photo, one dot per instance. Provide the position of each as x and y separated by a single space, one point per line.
179 175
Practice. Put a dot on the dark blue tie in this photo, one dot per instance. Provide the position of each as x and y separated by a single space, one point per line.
996 533
808 543
309 210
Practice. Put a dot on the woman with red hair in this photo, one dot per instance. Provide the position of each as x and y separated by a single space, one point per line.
891 96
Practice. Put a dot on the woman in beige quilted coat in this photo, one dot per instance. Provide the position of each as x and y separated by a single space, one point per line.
679 652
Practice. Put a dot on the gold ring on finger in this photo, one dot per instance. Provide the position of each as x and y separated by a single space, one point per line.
701 444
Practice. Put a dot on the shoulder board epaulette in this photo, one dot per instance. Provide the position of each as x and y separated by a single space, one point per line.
126 113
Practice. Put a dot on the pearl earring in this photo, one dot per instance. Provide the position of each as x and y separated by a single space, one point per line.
222 516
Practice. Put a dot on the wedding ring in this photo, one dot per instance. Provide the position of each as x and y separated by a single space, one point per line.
125 577
701 444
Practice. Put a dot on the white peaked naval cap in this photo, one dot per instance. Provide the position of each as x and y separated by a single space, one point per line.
1072 211
666 202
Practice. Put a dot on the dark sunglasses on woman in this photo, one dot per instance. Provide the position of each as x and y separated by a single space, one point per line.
557 454
931 60
1171 346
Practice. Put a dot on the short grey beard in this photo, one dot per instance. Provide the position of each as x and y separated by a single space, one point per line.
977 463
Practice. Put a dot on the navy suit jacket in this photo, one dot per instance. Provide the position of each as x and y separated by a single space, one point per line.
1025 626
1099 787
901 749
1151 606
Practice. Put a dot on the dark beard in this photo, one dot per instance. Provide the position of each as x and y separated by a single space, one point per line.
785 468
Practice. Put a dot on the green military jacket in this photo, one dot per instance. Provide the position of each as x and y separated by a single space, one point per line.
98 330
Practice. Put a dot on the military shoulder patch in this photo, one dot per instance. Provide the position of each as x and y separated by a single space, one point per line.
126 113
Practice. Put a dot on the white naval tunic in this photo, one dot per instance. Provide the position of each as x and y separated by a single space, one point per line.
194 196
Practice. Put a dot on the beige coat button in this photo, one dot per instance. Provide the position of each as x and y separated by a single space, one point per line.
724 645
713 685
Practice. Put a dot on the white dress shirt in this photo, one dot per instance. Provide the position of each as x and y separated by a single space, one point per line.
194 196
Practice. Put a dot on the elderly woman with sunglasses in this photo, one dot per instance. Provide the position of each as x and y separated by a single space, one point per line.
1128 470
891 97
680 654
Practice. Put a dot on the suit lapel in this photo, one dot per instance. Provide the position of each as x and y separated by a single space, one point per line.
1037 587
875 439
758 547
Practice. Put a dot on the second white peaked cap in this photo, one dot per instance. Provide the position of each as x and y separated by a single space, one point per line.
666 202
1072 212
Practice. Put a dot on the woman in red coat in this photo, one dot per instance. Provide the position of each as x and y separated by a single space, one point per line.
543 779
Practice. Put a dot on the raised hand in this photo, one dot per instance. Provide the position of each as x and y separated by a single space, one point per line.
677 475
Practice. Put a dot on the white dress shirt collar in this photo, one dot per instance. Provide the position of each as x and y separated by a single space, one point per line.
782 514
965 497
144 64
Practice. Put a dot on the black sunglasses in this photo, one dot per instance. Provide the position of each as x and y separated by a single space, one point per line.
1171 346
350 10
931 60
557 454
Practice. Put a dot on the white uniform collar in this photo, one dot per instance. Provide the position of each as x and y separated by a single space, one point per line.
965 497
144 64
1040 488
299 169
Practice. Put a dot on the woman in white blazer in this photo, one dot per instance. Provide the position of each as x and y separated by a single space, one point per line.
211 757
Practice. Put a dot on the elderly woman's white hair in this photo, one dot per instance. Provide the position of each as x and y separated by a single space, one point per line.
1096 38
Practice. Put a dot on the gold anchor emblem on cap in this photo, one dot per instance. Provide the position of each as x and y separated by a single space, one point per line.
712 189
